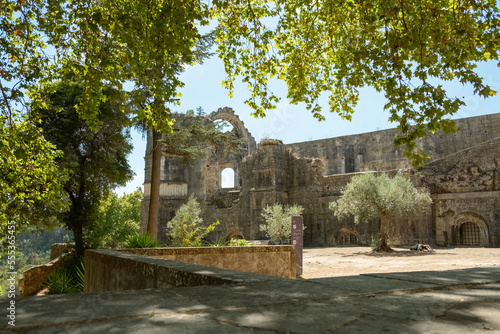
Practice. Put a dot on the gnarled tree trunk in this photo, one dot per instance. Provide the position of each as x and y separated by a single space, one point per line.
383 232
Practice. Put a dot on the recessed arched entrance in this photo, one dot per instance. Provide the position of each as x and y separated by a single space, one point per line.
469 229
470 234
345 236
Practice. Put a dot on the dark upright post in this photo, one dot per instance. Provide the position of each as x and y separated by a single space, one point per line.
298 242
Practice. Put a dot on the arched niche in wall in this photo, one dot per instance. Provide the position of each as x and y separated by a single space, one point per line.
469 229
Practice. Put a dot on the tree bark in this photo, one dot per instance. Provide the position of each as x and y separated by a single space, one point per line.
383 232
78 234
154 197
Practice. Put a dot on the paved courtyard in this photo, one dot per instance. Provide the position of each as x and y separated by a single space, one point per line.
438 301
349 260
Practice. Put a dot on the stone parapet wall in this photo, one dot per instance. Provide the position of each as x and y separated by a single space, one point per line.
112 270
276 261
59 249
34 279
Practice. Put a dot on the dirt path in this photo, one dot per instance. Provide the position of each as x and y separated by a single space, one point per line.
348 261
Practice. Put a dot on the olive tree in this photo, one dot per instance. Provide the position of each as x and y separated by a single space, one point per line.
278 218
368 196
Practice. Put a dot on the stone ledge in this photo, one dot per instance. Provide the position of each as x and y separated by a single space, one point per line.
112 270
265 260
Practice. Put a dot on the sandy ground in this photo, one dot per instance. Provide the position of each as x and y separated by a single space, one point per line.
349 261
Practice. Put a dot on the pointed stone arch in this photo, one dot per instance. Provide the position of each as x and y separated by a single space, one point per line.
227 114
468 227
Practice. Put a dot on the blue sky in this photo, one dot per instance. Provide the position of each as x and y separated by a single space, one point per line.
293 123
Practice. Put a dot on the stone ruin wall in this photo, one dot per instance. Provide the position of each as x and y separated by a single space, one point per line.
465 187
313 173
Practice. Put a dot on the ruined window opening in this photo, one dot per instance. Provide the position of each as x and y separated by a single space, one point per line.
470 234
227 178
224 126
348 239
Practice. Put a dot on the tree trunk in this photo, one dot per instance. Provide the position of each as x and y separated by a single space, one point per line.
383 233
154 197
78 235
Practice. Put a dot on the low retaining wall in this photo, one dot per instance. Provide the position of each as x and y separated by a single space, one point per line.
265 260
112 270
33 279
59 249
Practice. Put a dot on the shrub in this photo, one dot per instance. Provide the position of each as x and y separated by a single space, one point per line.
141 240
61 281
240 242
80 277
268 141
220 242
233 242
186 228
278 218
69 279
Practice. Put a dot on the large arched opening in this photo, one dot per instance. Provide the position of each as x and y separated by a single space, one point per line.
345 236
469 229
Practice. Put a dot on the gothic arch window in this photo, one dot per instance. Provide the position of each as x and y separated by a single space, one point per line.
227 178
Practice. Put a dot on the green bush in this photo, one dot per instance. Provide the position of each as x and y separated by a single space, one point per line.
233 242
61 281
278 218
69 279
240 242
220 242
141 240
80 277
186 228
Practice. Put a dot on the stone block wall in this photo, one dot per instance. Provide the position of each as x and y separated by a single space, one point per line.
276 261
137 269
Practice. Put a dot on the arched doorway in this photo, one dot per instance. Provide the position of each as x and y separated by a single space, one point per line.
348 239
469 229
345 236
469 234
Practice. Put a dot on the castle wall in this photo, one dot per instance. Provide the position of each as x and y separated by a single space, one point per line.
375 151
463 177
466 189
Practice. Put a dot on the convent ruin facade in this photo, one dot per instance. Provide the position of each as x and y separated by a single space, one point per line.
463 177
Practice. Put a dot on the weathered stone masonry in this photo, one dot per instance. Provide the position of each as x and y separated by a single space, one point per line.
463 177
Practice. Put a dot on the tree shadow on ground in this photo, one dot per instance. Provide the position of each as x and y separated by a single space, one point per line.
396 253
